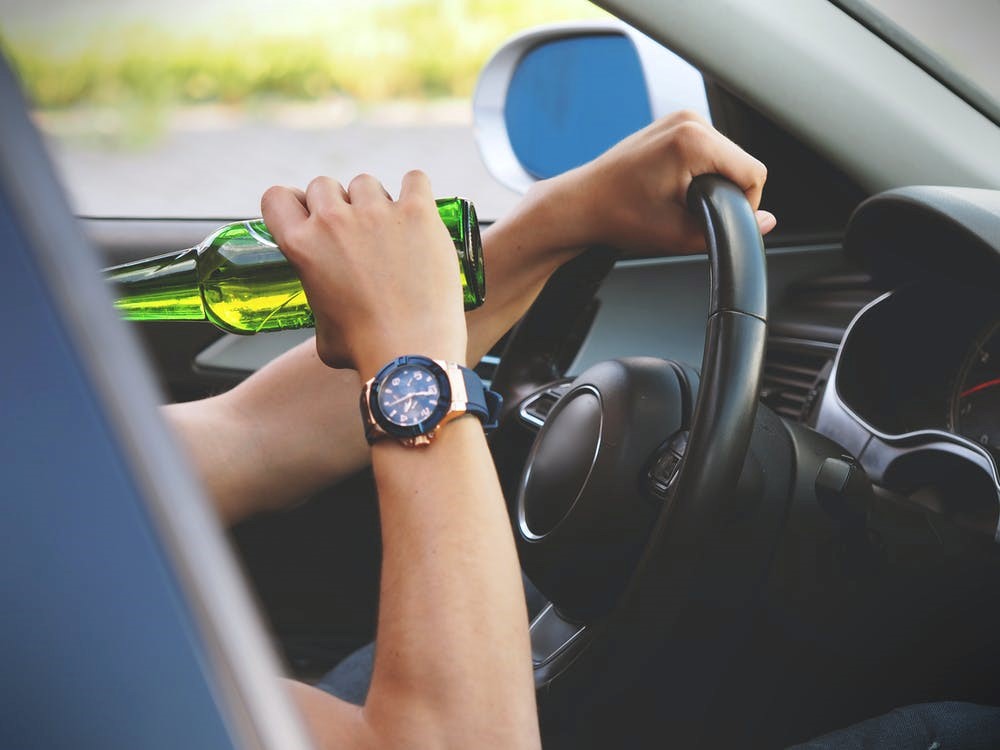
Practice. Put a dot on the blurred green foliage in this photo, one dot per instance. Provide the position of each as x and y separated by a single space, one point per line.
377 51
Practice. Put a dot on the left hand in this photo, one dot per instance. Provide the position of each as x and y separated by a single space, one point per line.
634 196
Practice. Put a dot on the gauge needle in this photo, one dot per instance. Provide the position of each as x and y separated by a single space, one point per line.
980 387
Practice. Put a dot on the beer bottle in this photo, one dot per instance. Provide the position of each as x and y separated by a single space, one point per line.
238 279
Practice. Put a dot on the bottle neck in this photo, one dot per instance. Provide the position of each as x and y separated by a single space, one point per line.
161 288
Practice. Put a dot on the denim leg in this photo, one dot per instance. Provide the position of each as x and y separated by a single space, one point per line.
349 680
926 726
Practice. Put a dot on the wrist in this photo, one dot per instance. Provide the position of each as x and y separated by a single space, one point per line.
412 397
562 214
380 352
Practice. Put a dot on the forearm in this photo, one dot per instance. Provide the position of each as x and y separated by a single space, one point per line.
453 660
453 645
283 433
522 250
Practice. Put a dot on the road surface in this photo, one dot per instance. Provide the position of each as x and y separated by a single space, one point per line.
219 167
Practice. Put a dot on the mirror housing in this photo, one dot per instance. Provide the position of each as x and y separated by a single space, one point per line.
558 95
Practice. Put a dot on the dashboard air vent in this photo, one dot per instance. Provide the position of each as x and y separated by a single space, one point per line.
795 373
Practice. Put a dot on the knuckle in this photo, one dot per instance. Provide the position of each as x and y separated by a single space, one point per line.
691 131
331 216
687 138
317 183
408 208
294 248
328 216
361 179
682 116
688 115
413 207
270 195
297 238
761 169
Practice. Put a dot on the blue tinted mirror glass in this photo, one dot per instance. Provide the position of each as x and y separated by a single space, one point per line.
571 99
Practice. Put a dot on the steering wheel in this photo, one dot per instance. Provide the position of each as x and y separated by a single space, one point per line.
622 508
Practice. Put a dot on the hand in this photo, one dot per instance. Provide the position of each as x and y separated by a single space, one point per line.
380 275
634 196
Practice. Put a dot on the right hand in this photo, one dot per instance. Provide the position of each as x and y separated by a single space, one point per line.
380 275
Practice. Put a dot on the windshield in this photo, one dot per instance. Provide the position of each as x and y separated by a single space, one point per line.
956 42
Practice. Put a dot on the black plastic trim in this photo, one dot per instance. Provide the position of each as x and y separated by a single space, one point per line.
739 278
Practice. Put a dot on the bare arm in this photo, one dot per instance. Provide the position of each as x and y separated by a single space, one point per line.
292 428
450 582
453 660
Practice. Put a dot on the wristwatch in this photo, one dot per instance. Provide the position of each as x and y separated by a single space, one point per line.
413 397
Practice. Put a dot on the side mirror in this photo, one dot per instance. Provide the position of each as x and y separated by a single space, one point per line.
556 96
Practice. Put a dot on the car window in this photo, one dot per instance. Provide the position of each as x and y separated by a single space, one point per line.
193 108
957 42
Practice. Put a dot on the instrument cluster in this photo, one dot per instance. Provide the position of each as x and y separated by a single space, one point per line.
926 357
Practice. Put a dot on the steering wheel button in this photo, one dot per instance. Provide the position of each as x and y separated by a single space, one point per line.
666 466
542 406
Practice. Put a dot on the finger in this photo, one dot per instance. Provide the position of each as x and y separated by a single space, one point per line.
282 210
324 193
766 221
365 189
701 149
691 237
416 186
747 172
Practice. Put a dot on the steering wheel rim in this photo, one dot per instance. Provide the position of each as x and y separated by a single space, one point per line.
607 651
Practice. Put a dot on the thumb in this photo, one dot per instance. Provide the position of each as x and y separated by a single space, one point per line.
766 221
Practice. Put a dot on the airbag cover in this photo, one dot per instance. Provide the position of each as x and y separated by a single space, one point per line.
562 461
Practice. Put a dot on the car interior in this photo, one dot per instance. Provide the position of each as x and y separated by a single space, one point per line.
795 525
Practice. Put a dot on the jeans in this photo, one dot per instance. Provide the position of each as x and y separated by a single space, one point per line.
926 726
349 680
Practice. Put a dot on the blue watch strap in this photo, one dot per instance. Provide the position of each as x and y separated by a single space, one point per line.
483 402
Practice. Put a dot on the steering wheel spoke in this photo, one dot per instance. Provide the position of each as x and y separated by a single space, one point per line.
535 409
551 635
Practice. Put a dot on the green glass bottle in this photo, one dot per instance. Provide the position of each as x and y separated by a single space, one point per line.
238 279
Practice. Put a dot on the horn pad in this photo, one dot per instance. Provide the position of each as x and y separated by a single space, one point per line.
582 511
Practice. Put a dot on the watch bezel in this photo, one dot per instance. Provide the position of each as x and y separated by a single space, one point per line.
428 424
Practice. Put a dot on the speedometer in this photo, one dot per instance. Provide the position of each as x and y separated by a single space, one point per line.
975 399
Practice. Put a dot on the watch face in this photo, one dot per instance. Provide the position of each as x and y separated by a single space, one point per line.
409 395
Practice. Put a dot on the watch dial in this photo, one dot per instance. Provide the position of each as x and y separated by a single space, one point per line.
409 395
